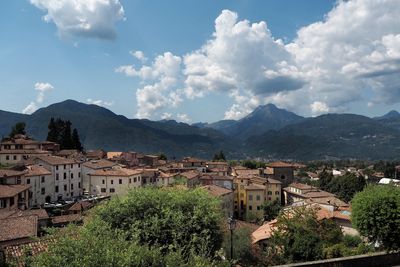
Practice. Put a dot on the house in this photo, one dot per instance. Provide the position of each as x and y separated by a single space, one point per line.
41 181
115 181
95 154
66 175
222 181
389 181
14 197
192 178
217 168
41 214
225 196
166 179
298 192
22 148
148 160
190 162
281 171
92 166
17 230
252 192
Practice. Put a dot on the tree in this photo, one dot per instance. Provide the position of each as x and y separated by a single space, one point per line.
271 209
18 128
148 227
344 186
242 246
76 142
66 137
376 215
300 236
219 156
53 133
162 157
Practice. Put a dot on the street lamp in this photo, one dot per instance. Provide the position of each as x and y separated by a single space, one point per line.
231 226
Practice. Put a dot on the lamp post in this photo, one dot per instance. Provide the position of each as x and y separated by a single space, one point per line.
231 226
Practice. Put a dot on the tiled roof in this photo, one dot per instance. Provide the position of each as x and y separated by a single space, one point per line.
40 213
117 172
273 181
54 160
81 206
279 164
216 191
301 186
21 141
36 170
18 227
191 159
99 164
12 190
66 219
25 152
17 253
216 177
111 155
10 173
254 187
264 231
190 174
247 172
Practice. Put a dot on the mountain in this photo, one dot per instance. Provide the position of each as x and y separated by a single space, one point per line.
393 114
100 128
262 119
329 136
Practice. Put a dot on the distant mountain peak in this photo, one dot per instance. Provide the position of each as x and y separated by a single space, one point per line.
393 114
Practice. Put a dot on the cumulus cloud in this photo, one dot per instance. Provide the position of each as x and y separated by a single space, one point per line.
183 118
139 55
100 103
353 54
42 89
84 18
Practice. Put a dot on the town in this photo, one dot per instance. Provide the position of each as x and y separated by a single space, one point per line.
43 186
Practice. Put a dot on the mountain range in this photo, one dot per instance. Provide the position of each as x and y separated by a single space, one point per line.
267 133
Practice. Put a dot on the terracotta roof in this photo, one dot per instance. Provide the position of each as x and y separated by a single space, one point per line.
247 172
67 152
12 190
254 187
111 155
331 200
81 206
273 181
190 174
18 227
17 253
54 160
66 219
10 173
279 164
301 186
99 164
264 231
116 172
40 213
21 141
224 163
216 191
36 170
191 159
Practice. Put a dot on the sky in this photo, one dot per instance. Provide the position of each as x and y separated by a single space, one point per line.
201 60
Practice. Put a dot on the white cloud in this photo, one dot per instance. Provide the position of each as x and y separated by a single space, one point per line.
85 18
30 108
42 88
183 118
139 55
351 55
100 103
166 116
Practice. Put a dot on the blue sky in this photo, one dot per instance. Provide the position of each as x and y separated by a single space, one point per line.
44 61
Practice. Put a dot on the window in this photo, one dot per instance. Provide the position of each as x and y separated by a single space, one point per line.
15 157
65 175
12 201
72 186
269 193
65 167
79 165
72 166
65 187
134 180
283 177
57 176
138 179
72 176
258 207
42 179
72 194
103 181
79 185
250 197
43 191
79 174
57 168
7 157
112 181
258 198
130 180
103 190
56 189
120 181
250 207
28 181
277 193
269 198
2 203
112 190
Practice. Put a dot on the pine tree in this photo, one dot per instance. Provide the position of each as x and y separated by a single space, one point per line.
53 133
76 142
19 128
66 137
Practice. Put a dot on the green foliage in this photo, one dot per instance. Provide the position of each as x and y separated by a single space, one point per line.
18 128
219 156
271 209
376 215
252 164
242 246
345 187
388 168
299 236
162 157
60 132
149 227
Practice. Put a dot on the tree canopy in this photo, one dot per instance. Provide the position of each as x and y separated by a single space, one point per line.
220 156
61 132
345 187
376 215
148 227
18 128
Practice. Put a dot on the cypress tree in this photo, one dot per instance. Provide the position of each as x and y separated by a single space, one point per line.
66 137
53 133
76 142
